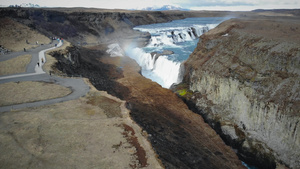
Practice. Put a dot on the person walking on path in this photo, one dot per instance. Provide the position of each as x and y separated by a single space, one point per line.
38 63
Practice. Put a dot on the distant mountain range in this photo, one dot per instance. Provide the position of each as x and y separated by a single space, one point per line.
154 8
29 5
165 8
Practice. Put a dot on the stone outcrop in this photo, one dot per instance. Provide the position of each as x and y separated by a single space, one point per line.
244 79
156 55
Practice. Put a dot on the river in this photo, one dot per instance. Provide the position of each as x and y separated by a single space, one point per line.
170 45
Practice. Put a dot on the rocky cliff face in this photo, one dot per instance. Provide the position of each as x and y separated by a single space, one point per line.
244 79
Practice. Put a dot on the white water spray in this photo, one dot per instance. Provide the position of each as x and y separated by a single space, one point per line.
178 36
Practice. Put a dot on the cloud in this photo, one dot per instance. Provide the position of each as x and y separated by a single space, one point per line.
191 3
138 4
237 4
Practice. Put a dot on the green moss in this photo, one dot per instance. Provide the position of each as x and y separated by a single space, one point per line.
182 92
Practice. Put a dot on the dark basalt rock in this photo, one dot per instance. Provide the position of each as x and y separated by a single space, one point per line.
101 75
158 54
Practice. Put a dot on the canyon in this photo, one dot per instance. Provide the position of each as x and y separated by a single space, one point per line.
243 79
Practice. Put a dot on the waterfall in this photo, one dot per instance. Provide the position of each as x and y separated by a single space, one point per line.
171 37
161 70
180 37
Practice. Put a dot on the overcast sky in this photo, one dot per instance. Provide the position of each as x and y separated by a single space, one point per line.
189 4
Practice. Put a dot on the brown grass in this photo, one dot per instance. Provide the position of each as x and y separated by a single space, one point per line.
72 133
133 140
13 35
15 65
24 92
110 107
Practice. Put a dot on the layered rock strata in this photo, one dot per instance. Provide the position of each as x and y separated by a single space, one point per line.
243 77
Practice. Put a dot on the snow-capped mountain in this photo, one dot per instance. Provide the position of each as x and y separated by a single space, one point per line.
29 5
164 8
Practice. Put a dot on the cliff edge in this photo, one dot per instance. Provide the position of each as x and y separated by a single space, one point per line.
243 77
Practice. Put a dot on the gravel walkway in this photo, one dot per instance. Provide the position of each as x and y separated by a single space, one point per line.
34 72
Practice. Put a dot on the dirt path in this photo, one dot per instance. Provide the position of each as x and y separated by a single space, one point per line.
34 72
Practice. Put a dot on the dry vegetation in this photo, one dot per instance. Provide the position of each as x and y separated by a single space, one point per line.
13 35
84 133
24 92
78 133
50 60
15 65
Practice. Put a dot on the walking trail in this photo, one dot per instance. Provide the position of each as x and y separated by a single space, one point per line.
35 72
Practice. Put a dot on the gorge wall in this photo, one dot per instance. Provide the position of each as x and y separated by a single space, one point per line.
243 77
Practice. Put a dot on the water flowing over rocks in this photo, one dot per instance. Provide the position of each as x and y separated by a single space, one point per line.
181 36
244 78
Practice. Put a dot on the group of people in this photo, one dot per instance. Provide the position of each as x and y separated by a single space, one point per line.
56 38
38 63
42 60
